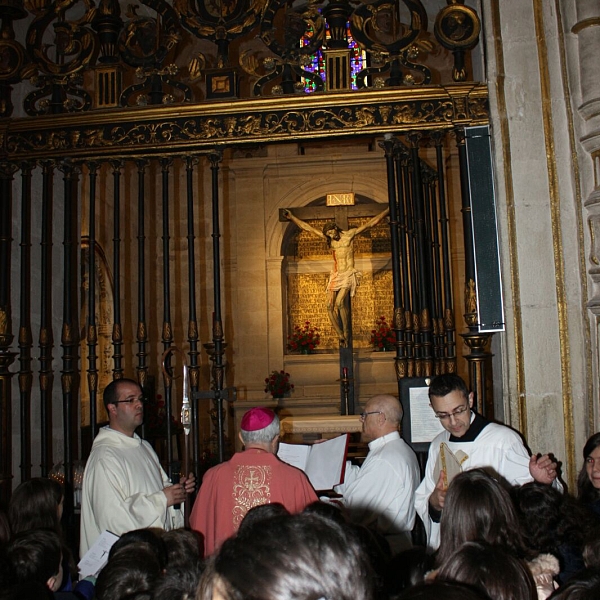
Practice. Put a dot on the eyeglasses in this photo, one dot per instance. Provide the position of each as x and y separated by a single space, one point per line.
364 415
130 401
457 411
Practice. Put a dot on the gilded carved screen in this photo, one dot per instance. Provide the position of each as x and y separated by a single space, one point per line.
309 262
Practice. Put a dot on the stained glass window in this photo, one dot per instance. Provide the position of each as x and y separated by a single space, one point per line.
317 64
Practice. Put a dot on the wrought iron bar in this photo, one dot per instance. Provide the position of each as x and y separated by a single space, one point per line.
46 338
117 333
25 333
388 146
449 325
142 330
216 349
70 328
167 330
424 362
92 332
6 337
193 353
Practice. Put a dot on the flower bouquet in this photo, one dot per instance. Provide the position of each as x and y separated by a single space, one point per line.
305 338
383 337
278 384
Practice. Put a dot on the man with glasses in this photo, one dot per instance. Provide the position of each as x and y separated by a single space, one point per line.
124 486
379 494
478 443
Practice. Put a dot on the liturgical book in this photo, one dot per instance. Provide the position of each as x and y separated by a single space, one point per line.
448 463
324 463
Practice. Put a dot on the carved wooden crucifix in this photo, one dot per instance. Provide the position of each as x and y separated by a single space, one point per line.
343 279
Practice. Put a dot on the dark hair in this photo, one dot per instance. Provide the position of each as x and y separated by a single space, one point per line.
490 569
327 228
290 557
550 518
151 536
34 505
130 573
586 492
184 566
585 585
477 507
261 512
442 385
442 590
34 555
111 391
184 549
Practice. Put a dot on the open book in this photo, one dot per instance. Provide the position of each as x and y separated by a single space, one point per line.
449 464
324 463
97 556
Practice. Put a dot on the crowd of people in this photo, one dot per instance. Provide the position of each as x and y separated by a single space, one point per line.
503 528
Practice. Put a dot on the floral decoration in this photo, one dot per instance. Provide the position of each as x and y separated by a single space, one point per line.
305 338
278 383
383 337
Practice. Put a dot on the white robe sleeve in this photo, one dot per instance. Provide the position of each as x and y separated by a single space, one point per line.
422 494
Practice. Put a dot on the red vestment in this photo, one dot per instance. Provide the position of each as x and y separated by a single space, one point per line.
249 479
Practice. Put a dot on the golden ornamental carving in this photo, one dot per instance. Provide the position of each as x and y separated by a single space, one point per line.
92 335
117 334
470 297
141 332
67 334
270 123
25 380
3 321
400 364
399 319
46 380
192 330
66 382
167 332
194 377
92 381
448 319
425 322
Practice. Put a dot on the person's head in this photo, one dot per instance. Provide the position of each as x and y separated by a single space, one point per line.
151 536
332 232
261 512
36 504
289 557
260 428
124 403
584 585
36 555
477 507
131 572
451 402
588 482
184 565
382 415
550 518
184 549
490 569
442 590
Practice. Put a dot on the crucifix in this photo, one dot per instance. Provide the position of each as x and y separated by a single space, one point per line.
344 277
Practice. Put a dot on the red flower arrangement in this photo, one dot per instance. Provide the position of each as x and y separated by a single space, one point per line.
305 338
278 383
383 337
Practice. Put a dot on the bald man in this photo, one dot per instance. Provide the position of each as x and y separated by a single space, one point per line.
380 494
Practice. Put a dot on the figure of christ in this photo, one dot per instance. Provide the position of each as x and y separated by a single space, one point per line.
344 278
